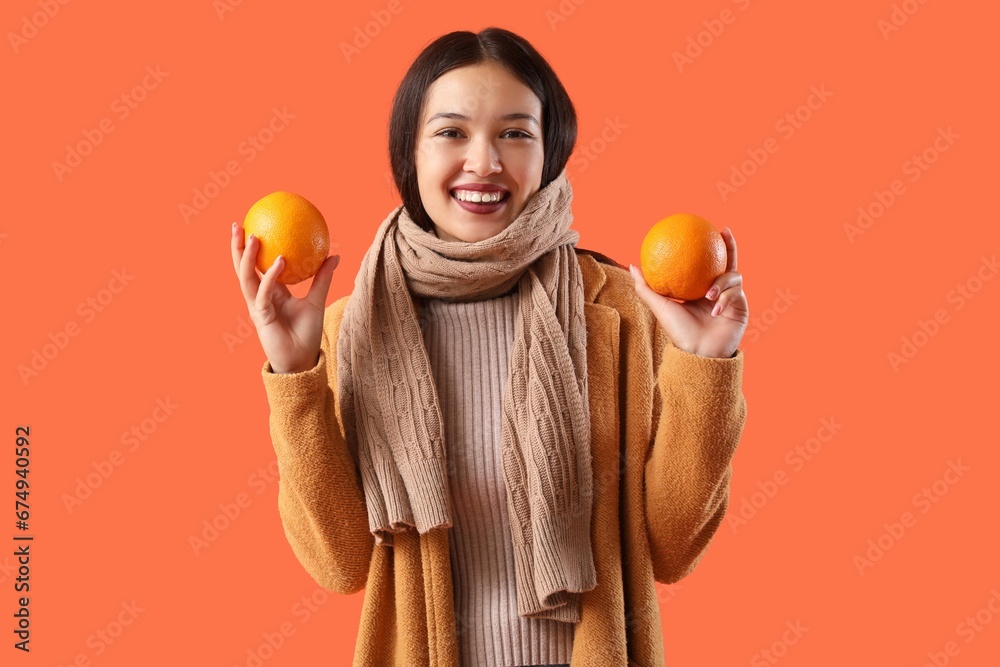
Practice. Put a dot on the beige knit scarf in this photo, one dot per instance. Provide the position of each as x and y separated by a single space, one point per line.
389 403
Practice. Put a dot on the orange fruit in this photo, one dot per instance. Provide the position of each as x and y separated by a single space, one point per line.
289 225
681 256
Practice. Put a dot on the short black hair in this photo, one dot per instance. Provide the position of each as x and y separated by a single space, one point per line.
458 49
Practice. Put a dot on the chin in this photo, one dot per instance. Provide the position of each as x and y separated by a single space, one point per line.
478 235
472 232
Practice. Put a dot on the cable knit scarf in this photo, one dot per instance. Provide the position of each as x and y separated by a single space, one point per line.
391 413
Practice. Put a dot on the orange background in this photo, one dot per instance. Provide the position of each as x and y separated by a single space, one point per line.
176 330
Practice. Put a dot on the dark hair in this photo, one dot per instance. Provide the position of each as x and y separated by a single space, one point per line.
458 49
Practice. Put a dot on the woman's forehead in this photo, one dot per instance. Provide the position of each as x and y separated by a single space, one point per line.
469 91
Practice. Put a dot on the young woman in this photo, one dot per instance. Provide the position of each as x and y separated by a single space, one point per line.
503 438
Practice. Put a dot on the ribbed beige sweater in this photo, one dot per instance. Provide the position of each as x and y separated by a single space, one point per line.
468 345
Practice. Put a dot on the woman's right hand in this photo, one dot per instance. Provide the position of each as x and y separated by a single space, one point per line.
290 329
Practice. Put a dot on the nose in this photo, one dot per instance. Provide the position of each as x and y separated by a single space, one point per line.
482 157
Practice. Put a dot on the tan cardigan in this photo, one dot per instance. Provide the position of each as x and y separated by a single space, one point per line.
664 426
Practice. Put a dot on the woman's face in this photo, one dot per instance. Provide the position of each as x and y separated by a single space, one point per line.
480 138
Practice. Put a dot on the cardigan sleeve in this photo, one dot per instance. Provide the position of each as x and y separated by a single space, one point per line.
698 420
320 498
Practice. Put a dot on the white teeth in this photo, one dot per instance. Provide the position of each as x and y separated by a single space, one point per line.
478 196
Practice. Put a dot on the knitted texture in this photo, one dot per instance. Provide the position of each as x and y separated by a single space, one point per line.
665 425
392 416
469 347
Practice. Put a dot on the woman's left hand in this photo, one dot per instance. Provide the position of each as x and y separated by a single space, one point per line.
711 326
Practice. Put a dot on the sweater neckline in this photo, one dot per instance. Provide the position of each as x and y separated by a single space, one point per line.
496 300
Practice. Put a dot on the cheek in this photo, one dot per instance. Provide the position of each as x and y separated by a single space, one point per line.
431 166
528 166
420 158
424 173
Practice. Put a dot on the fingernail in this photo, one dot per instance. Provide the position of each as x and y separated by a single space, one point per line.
234 228
250 238
631 269
715 311
712 293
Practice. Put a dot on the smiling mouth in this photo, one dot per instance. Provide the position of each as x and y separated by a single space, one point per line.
479 197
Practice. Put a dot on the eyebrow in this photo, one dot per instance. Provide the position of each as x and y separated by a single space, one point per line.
457 116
